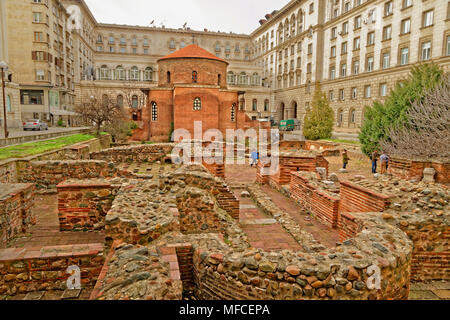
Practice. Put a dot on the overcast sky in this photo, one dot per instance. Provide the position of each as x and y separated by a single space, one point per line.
239 16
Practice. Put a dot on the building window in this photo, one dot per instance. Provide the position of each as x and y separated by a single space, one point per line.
255 105
168 76
40 75
148 74
448 45
407 3
332 73
194 76
345 28
426 51
197 104
356 67
387 32
371 38
310 48
37 17
358 22
353 116
369 64
134 74
344 47
35 97
266 105
427 18
404 56
172 44
354 93
334 33
331 96
386 60
120 101
8 103
343 70
309 68
406 26
233 112
356 43
230 77
388 8
135 102
154 111
311 8
333 52
367 91
341 94
383 90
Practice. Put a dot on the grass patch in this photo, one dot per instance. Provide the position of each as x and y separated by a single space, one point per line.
341 141
37 147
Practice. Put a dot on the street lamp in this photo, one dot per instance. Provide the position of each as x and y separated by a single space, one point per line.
4 68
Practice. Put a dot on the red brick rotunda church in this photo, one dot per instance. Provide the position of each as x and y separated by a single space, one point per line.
192 87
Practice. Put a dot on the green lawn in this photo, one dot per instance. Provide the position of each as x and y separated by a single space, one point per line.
341 141
37 147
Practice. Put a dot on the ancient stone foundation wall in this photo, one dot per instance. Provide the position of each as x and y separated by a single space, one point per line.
50 173
83 205
331 274
413 169
355 198
16 216
323 205
25 270
139 153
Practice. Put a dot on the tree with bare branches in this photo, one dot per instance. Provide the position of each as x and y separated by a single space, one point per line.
99 109
426 131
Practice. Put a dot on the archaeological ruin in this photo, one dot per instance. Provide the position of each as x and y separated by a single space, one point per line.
139 225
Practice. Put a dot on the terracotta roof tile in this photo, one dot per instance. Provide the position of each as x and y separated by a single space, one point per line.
192 51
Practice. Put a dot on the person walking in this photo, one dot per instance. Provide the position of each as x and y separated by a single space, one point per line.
345 158
374 159
384 158
255 157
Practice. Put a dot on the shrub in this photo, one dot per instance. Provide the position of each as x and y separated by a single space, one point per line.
319 120
381 118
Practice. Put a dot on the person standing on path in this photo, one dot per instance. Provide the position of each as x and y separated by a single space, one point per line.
255 157
374 159
345 158
384 158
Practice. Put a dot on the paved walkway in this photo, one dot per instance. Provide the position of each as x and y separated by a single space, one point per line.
46 231
433 290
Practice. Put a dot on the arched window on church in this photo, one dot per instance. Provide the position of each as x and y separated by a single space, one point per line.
197 104
233 112
154 111
134 102
194 76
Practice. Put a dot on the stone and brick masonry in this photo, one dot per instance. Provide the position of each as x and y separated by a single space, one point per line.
16 201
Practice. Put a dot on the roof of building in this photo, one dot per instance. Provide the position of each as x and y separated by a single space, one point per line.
192 51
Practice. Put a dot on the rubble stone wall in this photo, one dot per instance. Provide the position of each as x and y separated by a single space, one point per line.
331 274
25 270
139 153
16 215
52 172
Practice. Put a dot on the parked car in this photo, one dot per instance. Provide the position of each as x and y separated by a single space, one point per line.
35 124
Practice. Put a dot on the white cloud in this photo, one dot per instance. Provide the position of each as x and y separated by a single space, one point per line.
239 16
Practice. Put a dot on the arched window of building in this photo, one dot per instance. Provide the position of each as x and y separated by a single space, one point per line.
120 73
255 105
219 78
266 105
230 77
352 116
134 74
233 112
194 76
8 103
104 73
148 74
120 101
197 104
154 111
105 100
243 78
168 76
340 117
135 102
